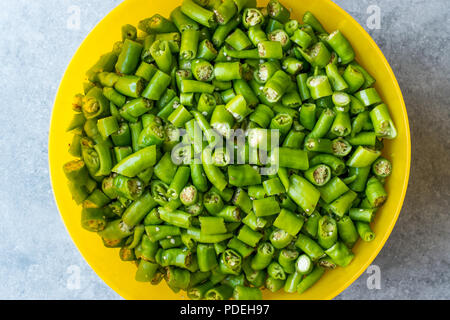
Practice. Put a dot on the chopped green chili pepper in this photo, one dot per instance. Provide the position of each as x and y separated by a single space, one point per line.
129 57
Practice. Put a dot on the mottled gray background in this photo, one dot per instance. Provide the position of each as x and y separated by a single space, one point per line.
37 256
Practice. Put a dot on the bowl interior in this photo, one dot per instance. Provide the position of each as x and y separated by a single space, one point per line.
120 275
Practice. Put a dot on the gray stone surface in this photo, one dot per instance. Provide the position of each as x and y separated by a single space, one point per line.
37 257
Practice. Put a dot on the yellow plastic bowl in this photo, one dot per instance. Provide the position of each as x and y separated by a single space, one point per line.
120 275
